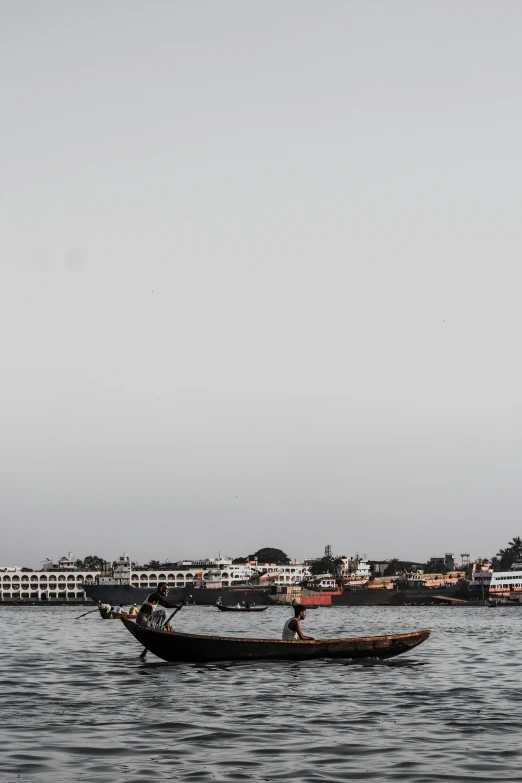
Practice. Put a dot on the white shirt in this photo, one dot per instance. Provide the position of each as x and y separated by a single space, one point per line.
288 634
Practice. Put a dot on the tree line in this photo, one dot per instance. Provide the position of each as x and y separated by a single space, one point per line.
506 558
265 555
503 561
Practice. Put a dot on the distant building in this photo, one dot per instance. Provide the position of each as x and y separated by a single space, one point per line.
420 579
45 585
356 566
450 561
65 563
378 567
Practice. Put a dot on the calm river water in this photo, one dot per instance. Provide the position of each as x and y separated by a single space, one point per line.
78 705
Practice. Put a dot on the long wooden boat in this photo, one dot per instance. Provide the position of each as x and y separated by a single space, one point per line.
174 646
241 608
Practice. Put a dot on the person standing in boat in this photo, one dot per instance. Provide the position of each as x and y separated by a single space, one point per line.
149 615
292 630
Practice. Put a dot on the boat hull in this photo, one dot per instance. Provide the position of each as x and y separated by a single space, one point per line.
374 597
178 647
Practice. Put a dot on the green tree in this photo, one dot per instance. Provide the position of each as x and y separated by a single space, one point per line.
152 566
505 558
270 555
393 567
90 563
327 565
434 568
515 546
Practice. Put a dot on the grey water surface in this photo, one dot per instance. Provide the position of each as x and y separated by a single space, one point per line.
77 704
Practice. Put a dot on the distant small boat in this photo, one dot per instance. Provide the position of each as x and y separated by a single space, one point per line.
241 608
174 646
115 615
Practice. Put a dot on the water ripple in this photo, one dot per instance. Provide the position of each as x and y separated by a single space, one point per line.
78 704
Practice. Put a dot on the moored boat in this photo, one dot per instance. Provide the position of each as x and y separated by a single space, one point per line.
107 612
175 646
114 615
498 586
500 602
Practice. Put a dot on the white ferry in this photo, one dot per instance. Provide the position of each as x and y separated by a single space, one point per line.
497 584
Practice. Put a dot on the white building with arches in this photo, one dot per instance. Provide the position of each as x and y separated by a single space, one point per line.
44 585
62 583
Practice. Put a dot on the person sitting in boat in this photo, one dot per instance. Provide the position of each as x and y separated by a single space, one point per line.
133 611
219 602
152 617
118 609
292 630
105 610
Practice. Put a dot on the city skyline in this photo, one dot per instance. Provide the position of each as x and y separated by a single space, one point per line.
202 555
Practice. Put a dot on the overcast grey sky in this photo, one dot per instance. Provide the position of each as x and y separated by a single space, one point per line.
260 277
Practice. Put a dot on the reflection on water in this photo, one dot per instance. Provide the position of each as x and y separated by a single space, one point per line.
78 704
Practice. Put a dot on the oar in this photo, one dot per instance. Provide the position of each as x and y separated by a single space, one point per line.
176 610
85 615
